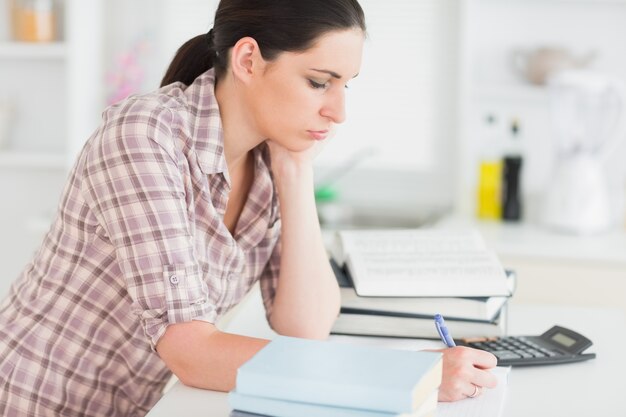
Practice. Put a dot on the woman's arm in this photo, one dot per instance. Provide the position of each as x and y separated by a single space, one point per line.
307 295
201 356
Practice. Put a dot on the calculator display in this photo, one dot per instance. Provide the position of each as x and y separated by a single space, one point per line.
562 339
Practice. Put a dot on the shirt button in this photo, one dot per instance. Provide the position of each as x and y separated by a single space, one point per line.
230 276
174 279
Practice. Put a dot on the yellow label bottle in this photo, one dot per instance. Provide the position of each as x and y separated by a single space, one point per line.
489 201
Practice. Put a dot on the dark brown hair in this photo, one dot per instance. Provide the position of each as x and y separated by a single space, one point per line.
276 25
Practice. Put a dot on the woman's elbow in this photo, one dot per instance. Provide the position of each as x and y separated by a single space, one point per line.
305 328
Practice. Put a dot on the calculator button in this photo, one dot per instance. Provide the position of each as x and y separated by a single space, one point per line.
505 354
536 353
523 354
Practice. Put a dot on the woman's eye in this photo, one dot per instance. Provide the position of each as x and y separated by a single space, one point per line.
317 85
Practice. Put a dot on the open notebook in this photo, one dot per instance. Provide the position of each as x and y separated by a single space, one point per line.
420 263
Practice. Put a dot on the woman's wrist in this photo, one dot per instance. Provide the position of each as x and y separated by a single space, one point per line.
286 174
291 169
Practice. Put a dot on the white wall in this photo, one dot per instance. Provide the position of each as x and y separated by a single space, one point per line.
402 108
151 31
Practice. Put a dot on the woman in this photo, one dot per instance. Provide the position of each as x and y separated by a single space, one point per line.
180 202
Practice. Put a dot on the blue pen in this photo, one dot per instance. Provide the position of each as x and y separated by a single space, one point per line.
444 334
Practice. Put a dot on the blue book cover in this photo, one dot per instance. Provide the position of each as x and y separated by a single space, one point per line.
341 375
259 406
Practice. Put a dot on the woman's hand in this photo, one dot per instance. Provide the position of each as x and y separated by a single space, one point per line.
464 369
287 162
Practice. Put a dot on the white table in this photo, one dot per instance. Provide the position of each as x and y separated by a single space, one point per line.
591 388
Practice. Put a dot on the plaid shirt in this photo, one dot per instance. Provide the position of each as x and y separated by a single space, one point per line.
138 243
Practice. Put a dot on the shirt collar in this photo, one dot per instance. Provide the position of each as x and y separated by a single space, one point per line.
206 124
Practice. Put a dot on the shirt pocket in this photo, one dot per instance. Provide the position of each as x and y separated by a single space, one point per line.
186 293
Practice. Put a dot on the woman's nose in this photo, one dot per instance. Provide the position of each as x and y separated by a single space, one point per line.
335 107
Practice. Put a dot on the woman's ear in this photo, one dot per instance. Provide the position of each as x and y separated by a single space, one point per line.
245 60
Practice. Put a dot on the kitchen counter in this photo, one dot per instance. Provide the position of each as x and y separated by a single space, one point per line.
534 241
557 268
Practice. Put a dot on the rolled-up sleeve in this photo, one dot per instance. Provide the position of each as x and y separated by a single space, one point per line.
134 184
269 277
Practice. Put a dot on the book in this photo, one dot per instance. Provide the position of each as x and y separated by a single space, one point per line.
376 323
477 308
341 375
248 405
420 263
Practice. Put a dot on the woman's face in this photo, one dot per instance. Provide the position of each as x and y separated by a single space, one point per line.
300 95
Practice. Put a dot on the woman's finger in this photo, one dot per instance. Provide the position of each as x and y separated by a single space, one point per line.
483 378
483 359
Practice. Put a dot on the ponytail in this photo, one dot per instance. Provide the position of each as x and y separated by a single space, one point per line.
194 57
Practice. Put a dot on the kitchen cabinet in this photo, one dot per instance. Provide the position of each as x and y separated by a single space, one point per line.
55 92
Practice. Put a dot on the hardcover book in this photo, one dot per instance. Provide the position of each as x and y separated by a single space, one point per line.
341 375
376 323
248 406
473 308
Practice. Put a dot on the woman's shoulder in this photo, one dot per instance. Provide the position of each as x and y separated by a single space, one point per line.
169 99
158 115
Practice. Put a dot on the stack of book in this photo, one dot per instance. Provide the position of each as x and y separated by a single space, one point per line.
311 378
394 281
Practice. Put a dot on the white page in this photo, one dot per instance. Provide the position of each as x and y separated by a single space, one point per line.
489 404
422 263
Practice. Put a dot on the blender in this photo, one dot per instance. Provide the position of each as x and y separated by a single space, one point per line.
587 112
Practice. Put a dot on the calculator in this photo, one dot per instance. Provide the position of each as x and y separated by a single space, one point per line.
556 345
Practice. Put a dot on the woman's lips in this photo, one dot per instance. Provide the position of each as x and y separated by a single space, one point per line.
318 134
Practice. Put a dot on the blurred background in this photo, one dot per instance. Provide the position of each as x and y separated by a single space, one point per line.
505 115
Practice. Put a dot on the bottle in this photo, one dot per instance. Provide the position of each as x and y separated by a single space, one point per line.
511 177
489 190
511 201
34 20
488 193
